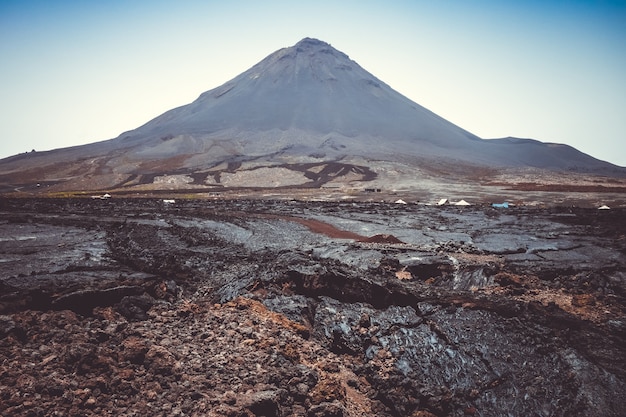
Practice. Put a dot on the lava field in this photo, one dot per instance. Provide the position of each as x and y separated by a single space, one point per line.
134 307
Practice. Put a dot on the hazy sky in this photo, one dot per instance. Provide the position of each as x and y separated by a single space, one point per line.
74 72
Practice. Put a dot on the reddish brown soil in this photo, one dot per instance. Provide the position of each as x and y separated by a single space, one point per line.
320 227
326 229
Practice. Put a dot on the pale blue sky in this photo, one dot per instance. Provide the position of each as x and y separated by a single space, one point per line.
74 72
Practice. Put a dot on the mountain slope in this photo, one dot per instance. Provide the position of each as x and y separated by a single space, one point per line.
311 87
305 104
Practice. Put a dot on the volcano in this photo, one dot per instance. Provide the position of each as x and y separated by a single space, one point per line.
305 116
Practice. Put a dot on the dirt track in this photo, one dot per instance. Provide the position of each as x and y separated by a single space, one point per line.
242 308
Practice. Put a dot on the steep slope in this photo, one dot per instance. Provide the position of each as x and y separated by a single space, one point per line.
306 92
294 112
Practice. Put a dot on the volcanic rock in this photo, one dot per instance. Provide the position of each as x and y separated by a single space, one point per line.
259 315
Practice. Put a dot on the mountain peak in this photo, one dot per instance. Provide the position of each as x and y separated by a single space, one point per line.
309 43
318 99
312 46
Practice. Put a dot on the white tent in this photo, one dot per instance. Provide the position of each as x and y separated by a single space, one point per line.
462 203
442 202
604 207
400 202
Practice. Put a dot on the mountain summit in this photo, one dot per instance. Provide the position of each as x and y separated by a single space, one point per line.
308 98
305 116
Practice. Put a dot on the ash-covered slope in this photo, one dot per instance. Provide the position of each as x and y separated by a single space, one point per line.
306 104
306 96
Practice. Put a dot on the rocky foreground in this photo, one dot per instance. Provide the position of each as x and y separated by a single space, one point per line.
272 308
